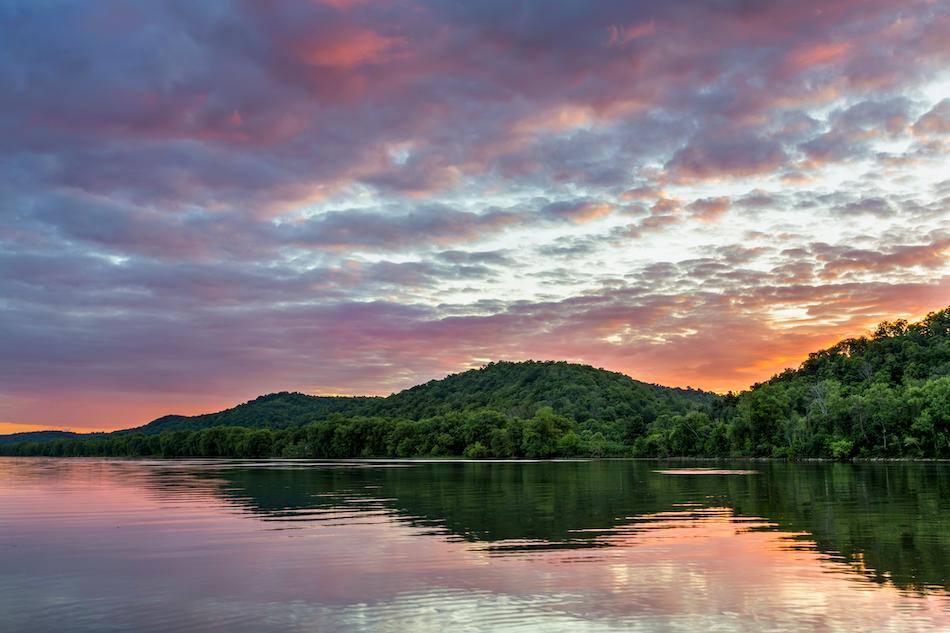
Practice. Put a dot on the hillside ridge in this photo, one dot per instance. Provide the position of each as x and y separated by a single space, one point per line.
514 387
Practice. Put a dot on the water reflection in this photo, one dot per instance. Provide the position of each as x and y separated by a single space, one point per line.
599 546
891 520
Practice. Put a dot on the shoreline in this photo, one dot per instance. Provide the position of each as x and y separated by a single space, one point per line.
489 460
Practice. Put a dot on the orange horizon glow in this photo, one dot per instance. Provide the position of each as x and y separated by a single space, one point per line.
139 409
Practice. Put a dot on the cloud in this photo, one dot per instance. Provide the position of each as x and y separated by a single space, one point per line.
621 35
203 201
424 227
653 224
709 209
876 206
721 156
842 261
813 55
853 129
346 48
484 258
576 211
935 122
643 192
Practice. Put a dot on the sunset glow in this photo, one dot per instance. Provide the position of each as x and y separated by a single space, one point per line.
207 201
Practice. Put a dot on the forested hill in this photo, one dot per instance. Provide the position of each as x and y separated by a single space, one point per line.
883 395
36 436
276 410
896 353
579 392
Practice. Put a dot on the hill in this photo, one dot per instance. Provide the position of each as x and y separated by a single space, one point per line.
580 392
275 410
897 352
36 436
883 395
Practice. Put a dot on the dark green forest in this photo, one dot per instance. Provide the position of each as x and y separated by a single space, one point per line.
883 395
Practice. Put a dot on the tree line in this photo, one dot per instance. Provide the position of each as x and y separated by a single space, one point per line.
474 434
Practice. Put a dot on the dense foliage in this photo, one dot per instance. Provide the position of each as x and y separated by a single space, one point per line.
478 433
885 395
580 392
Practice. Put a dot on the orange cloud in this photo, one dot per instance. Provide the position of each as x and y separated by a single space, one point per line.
930 256
590 212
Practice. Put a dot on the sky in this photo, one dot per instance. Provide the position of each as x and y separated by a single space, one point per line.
201 202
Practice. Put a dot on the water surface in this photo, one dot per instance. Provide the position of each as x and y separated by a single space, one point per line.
115 545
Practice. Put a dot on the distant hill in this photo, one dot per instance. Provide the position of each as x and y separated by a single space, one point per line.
276 410
36 436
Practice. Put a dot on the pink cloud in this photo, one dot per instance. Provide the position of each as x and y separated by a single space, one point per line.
347 49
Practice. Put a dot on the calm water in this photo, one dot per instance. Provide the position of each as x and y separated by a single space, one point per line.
98 545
